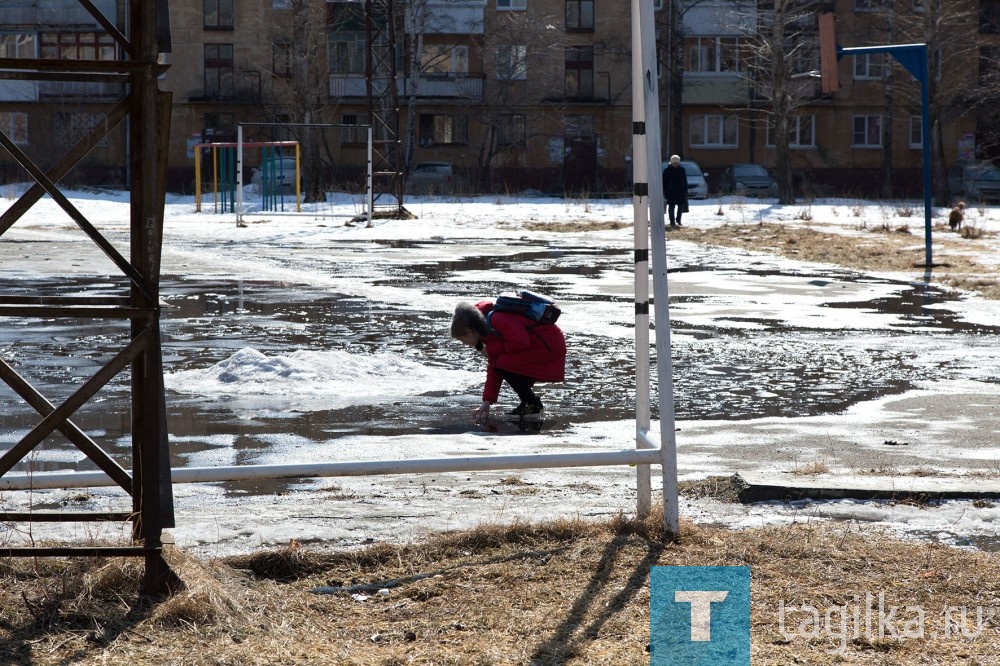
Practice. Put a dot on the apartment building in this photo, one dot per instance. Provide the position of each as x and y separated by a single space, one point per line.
526 94
45 117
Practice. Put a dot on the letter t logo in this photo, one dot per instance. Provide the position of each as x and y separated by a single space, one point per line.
701 611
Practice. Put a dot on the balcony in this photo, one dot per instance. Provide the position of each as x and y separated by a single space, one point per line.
79 90
447 17
453 86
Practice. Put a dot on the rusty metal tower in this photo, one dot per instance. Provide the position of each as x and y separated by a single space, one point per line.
139 34
383 105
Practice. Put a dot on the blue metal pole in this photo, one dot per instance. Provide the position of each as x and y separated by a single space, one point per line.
925 126
914 58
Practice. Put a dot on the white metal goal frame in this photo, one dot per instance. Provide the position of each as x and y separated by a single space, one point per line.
647 201
369 196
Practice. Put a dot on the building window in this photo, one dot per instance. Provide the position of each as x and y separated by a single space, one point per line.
916 132
868 5
218 14
347 54
507 5
869 66
867 131
580 15
281 4
218 70
989 17
281 59
439 129
512 130
353 136
580 71
15 126
71 127
219 127
801 132
17 45
512 63
444 59
989 65
77 46
714 131
711 55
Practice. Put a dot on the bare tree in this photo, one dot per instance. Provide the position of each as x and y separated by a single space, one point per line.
423 20
521 67
671 54
779 59
300 73
952 37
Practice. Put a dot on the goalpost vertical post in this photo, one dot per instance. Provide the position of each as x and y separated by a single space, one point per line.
645 92
640 221
239 175
369 191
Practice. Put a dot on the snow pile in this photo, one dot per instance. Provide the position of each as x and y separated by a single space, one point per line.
346 377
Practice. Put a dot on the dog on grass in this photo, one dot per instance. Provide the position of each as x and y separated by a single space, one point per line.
956 216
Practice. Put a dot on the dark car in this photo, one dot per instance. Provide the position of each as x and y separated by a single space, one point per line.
750 180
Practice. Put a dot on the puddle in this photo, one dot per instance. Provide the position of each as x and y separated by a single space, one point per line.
725 370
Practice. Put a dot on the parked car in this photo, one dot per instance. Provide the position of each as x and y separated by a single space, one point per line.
751 180
697 185
432 178
975 181
278 172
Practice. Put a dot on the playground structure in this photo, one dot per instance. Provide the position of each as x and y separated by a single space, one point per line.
240 145
227 160
227 175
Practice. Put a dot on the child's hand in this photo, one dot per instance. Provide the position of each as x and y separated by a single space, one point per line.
481 415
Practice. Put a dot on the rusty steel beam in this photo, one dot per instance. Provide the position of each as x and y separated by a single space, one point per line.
78 312
82 551
64 516
73 433
60 414
100 301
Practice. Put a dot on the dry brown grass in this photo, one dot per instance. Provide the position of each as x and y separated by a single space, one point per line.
562 592
888 250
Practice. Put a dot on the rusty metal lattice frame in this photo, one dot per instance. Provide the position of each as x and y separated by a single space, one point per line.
147 112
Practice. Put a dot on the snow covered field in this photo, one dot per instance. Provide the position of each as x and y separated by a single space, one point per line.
296 338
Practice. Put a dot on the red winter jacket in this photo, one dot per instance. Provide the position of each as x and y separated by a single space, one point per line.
521 346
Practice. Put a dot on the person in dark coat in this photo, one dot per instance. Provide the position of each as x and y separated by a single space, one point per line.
675 190
518 350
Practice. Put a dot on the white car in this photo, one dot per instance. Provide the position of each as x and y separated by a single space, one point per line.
433 178
697 185
277 174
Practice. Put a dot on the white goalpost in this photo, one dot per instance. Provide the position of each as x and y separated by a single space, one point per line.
241 209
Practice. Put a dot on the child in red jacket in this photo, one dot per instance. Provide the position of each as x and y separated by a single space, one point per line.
518 351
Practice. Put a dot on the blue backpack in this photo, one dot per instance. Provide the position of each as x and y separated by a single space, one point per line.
536 307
